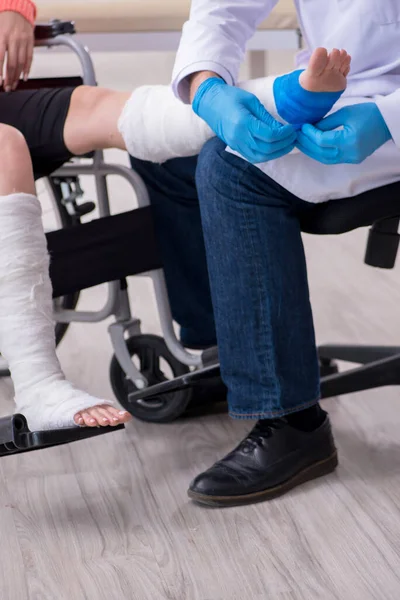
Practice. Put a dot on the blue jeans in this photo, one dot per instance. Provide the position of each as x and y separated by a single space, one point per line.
238 235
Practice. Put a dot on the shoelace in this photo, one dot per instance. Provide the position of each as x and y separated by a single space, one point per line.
259 432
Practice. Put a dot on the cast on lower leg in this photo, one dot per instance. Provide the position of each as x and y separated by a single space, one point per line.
26 325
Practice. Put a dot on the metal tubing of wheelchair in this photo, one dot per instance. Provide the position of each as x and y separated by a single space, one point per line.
105 169
100 169
89 76
101 185
82 316
166 321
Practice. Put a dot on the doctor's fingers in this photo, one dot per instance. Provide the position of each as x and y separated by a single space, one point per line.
326 156
265 151
323 139
260 151
271 131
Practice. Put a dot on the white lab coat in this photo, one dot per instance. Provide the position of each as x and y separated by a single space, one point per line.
215 39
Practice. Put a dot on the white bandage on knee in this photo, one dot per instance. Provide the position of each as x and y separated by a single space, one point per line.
27 338
156 126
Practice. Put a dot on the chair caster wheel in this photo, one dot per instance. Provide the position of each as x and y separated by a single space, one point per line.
327 366
158 365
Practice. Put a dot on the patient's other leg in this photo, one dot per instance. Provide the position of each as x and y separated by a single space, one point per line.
92 120
26 322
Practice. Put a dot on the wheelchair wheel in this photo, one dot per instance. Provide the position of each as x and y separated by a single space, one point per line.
155 361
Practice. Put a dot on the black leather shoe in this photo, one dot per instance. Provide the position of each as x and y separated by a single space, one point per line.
269 462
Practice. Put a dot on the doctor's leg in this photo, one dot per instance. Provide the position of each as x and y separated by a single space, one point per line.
176 211
265 332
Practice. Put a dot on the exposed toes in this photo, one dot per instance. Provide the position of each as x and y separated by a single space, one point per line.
88 419
335 60
99 416
346 65
118 416
102 416
318 62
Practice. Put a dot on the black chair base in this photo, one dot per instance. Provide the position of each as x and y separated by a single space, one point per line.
15 436
381 367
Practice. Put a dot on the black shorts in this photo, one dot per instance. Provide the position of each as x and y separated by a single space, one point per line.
40 116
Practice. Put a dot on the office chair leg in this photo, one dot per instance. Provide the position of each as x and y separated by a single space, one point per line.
376 374
356 354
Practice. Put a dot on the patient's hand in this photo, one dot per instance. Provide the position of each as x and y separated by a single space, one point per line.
16 48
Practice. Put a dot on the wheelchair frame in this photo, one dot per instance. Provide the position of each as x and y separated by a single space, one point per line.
117 303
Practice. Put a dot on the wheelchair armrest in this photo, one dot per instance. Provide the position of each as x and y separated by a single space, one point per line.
47 31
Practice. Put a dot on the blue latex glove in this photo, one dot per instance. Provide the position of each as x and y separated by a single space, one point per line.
363 131
240 120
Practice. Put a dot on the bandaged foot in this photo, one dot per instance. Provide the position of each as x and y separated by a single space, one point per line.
157 127
27 339
307 96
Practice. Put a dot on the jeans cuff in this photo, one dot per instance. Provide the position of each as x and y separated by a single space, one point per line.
271 414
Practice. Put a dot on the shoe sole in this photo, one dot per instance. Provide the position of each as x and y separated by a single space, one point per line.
318 469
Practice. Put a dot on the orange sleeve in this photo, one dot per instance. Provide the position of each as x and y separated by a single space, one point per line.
26 8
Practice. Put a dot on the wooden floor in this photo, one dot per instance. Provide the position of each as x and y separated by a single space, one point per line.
109 518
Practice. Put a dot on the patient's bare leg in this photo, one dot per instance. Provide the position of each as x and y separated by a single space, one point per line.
26 325
92 121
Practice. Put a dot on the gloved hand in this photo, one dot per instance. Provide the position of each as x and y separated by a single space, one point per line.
363 131
240 120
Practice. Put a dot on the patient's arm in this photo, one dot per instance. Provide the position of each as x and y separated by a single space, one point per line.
17 19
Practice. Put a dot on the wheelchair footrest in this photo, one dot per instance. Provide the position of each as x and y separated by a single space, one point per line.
15 436
192 379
